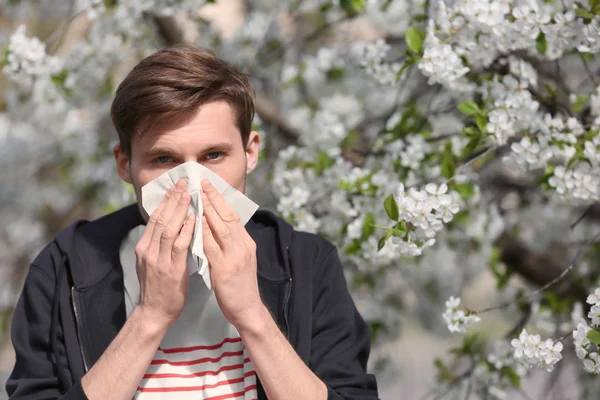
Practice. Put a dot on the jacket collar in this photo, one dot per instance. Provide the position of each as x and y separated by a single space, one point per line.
94 246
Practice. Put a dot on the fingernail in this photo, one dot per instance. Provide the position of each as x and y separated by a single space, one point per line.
181 184
206 184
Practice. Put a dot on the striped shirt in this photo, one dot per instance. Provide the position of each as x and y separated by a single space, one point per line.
202 355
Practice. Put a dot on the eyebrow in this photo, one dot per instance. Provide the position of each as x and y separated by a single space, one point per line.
217 147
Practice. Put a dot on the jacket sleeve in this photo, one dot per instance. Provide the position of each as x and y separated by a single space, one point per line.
35 374
341 340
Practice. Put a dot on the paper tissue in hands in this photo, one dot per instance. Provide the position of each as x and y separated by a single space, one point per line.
154 191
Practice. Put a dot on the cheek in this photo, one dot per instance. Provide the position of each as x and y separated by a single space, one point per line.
142 176
233 173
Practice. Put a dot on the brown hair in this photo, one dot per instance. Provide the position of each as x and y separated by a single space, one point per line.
166 89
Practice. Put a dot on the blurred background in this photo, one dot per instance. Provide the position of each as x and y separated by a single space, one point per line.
330 78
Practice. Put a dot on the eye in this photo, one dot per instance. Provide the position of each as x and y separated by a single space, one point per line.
162 159
214 155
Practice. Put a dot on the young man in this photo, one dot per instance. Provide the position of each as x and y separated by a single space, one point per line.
278 323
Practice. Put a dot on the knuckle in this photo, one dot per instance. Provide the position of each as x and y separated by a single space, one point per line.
225 233
212 248
162 221
139 250
231 217
168 234
179 248
148 258
154 217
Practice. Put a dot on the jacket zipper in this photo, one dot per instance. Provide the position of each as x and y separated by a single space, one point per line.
79 329
286 302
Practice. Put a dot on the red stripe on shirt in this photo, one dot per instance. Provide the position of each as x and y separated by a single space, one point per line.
232 395
202 373
196 388
194 348
199 360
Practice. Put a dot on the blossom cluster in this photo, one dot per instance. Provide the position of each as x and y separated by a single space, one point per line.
441 63
585 349
534 352
458 320
426 210
372 58
26 59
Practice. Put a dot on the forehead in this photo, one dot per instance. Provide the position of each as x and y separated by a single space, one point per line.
214 122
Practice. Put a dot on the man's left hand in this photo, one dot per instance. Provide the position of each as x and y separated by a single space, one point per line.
231 254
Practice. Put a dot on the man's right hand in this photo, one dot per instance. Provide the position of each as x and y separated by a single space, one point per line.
162 271
161 257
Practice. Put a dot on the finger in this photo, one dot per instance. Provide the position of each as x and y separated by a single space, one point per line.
182 243
221 232
152 220
211 247
174 225
225 211
167 213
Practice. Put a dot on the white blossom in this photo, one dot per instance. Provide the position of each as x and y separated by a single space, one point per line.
27 59
456 319
534 352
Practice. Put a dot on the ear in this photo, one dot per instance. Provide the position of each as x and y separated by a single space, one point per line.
252 151
122 161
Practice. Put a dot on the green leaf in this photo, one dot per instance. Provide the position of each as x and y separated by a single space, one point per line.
595 6
391 208
471 146
512 376
383 239
353 248
400 228
465 189
368 226
110 4
414 39
376 327
60 79
403 69
352 7
541 44
594 336
591 134
322 162
410 121
469 108
583 13
577 157
335 73
470 131
577 105
588 57
448 165
4 54
444 373
481 123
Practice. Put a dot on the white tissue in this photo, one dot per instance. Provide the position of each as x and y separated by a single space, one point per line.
154 191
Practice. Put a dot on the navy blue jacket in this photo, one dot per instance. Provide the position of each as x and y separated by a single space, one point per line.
72 306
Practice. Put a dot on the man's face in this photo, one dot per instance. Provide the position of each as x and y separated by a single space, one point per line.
211 138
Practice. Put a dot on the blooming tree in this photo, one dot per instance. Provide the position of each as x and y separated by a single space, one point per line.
432 141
